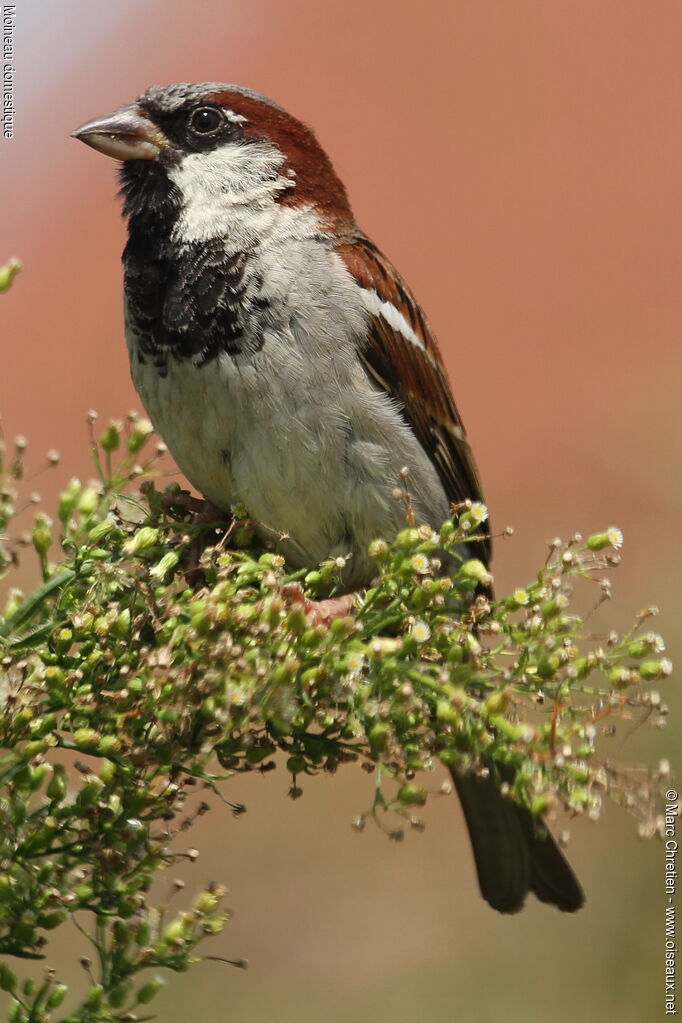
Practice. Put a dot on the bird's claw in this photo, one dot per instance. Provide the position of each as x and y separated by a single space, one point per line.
318 612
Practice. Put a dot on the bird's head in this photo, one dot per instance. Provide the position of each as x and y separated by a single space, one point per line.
211 145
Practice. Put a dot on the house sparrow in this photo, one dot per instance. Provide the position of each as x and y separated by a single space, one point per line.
289 369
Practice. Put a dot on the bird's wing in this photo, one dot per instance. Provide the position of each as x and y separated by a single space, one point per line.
402 357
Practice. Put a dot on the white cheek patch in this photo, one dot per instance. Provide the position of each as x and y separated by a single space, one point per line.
213 185
393 317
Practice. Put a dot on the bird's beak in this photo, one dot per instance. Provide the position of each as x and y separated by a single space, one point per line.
125 134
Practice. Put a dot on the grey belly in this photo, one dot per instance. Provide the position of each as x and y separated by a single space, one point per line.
314 458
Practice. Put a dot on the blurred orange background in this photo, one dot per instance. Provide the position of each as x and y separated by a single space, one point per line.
521 163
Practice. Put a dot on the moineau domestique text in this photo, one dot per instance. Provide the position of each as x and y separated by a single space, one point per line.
9 15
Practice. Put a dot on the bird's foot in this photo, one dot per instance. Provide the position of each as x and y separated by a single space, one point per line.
204 513
318 612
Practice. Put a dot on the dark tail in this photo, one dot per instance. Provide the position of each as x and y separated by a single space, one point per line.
514 852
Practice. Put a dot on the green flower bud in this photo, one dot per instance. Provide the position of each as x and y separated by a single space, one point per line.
62 640
242 537
407 538
144 538
455 654
449 757
42 534
199 611
541 804
94 997
102 529
516 732
550 609
54 680
121 626
611 538
379 736
8 980
447 713
56 996
497 702
206 903
88 500
68 500
165 566
548 666
34 749
285 673
447 530
111 438
412 795
89 793
650 670
341 628
621 677
40 772
383 646
176 931
582 667
107 746
296 621
56 789
87 738
475 570
419 599
275 561
84 623
14 601
138 435
118 995
461 674
8 272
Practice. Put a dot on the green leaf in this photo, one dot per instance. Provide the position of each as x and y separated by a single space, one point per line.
35 601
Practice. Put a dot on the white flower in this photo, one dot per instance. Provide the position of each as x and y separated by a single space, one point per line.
420 564
355 662
478 511
420 631
615 537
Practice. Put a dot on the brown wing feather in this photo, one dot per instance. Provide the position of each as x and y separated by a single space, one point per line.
413 373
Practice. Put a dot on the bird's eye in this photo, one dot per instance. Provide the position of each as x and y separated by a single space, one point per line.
205 121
